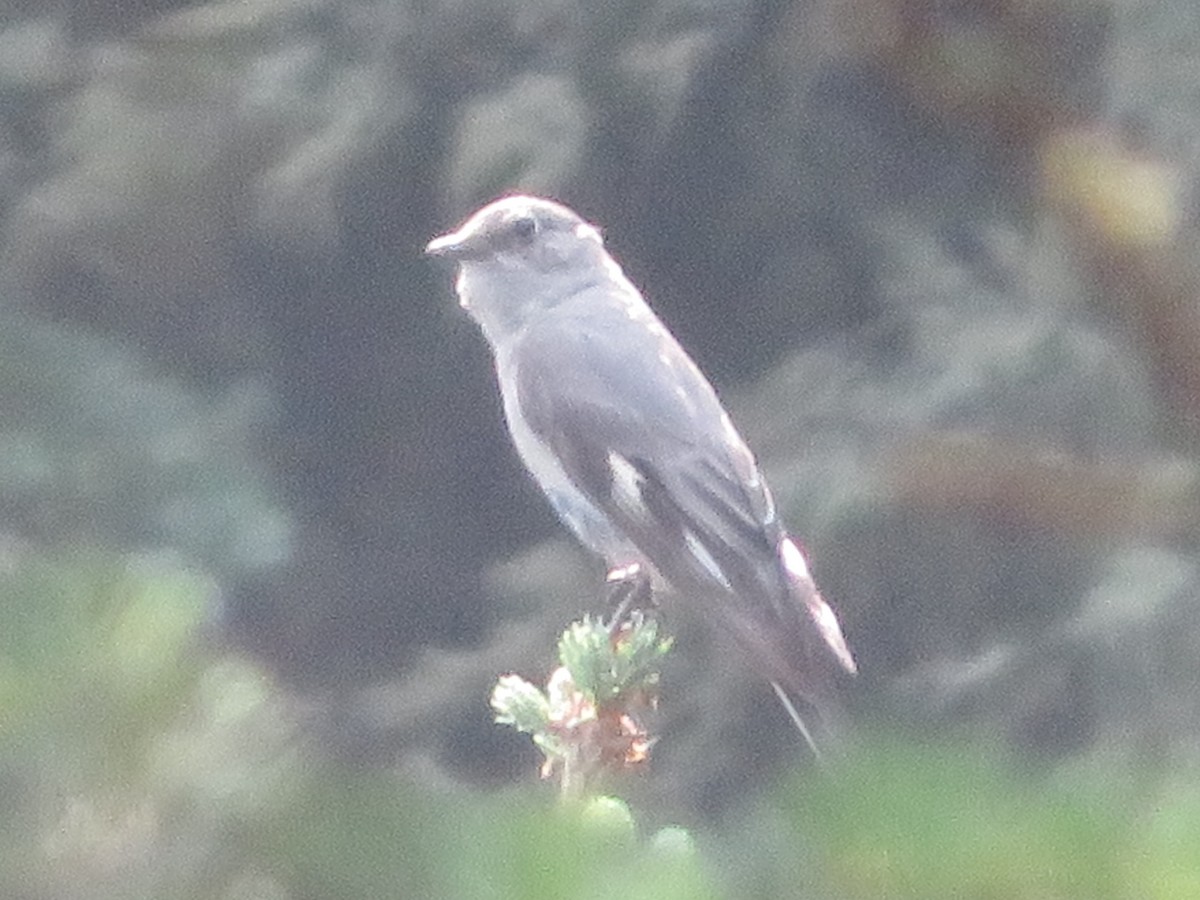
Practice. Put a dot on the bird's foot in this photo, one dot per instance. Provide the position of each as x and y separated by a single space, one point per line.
628 591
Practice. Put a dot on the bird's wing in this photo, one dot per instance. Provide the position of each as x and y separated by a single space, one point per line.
640 432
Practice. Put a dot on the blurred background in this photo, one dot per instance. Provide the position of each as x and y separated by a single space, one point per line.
264 546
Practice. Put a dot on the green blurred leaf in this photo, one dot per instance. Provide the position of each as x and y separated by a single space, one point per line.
357 835
911 820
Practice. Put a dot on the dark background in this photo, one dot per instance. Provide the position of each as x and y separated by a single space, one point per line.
939 256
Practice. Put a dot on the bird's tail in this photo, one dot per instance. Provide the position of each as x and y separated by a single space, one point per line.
819 613
821 644
798 721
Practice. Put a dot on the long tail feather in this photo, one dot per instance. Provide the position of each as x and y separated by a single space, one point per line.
794 714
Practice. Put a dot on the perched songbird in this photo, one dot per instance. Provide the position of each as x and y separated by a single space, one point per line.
629 442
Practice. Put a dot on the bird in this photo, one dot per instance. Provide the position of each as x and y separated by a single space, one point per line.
631 445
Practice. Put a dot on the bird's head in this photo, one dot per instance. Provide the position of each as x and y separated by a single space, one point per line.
520 232
521 254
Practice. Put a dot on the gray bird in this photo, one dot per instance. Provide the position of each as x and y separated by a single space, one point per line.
630 443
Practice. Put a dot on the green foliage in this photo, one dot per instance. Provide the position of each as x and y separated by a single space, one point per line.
604 669
138 764
96 645
905 819
95 448
521 705
587 721
1164 857
97 653
370 837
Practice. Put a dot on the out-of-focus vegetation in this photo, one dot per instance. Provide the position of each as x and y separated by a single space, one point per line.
138 762
264 546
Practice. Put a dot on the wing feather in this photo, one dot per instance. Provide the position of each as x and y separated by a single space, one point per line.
639 396
589 388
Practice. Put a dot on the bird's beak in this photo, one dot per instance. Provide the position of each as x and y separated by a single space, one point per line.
448 245
461 246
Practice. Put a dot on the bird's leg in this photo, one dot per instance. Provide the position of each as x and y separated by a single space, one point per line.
627 590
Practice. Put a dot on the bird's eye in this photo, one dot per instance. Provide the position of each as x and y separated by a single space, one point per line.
525 227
